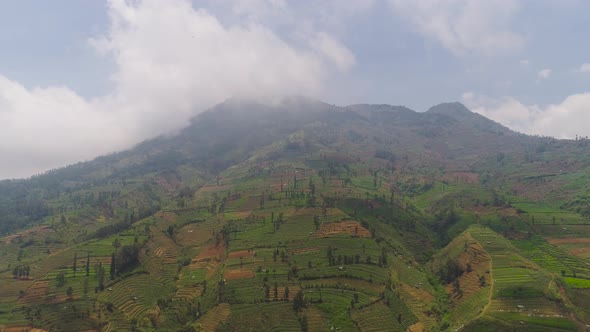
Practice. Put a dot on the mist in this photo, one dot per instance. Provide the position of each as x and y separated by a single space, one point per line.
172 61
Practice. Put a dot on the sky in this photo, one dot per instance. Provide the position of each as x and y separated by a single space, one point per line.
79 79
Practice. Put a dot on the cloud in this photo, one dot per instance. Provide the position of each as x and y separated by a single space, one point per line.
464 27
45 127
544 73
334 51
172 60
563 120
524 62
585 68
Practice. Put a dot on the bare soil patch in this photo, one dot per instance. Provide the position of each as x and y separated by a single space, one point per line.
353 228
193 235
241 253
35 293
209 258
238 274
474 261
21 328
417 293
579 251
39 230
418 327
214 317
568 240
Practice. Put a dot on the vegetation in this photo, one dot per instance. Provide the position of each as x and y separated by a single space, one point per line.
306 216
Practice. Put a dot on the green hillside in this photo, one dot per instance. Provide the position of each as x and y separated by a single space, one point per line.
304 216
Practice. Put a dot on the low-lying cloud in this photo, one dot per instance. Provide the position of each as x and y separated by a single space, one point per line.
567 119
172 60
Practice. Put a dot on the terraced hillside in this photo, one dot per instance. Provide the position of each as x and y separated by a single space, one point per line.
306 216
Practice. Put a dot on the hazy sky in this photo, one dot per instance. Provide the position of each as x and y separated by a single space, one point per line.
84 78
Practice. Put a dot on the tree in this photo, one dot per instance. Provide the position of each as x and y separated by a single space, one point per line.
75 261
482 281
100 276
61 279
303 323
266 292
113 266
286 294
299 301
88 265
70 292
85 286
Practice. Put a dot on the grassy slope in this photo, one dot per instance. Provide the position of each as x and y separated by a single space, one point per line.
222 220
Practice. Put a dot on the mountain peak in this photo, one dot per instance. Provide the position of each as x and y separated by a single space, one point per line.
453 109
461 113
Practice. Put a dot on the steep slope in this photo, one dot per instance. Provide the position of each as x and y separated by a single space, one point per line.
303 215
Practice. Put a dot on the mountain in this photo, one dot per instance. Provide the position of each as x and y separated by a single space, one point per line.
295 214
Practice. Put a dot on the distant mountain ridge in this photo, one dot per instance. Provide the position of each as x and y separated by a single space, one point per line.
294 214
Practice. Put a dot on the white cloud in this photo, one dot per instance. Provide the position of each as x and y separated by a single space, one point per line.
334 51
464 26
45 127
544 73
563 120
172 60
585 68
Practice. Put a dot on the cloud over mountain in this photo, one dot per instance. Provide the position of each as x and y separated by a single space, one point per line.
172 60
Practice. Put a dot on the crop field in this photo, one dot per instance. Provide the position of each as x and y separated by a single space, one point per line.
215 317
377 315
342 228
263 317
554 256
520 286
135 295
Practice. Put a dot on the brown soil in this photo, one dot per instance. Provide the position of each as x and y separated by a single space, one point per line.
478 259
417 293
353 228
242 214
209 258
579 251
193 235
570 240
241 253
20 329
418 327
39 230
212 251
35 293
214 317
238 274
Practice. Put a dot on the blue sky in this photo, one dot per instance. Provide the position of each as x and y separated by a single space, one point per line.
84 78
